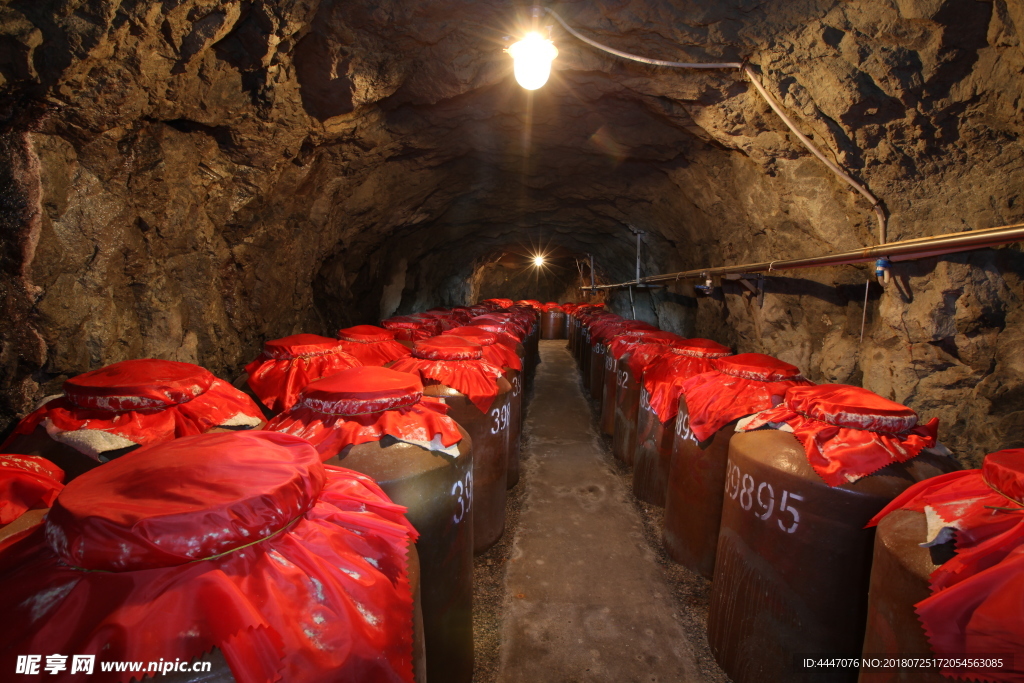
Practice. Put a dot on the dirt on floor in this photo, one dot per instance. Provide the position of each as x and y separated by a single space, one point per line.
690 591
489 586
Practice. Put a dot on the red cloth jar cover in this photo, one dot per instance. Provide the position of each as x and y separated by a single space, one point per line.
290 363
532 303
601 320
525 316
434 324
588 317
456 363
498 329
587 308
242 541
651 348
493 352
419 328
516 322
443 317
506 324
977 597
26 482
462 314
140 402
552 306
627 341
604 331
664 377
498 303
848 432
591 318
371 345
364 404
737 386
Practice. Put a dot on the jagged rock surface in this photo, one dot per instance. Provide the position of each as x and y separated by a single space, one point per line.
187 178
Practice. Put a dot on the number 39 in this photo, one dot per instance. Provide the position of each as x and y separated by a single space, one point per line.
501 417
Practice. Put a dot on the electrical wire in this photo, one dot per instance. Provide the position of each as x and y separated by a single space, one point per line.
876 204
637 58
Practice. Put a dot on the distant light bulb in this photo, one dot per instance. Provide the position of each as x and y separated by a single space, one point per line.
538 261
532 57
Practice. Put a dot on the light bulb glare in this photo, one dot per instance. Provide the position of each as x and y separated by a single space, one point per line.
538 261
532 57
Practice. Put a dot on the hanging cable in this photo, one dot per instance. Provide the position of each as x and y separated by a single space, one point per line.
832 166
637 58
876 204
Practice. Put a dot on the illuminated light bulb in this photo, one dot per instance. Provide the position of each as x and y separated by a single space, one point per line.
538 261
532 57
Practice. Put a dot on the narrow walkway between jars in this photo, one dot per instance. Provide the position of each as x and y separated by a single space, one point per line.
585 598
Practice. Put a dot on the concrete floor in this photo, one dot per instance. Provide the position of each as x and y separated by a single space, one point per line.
585 597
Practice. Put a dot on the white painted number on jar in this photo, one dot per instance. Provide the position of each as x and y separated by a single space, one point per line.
683 430
463 492
645 400
759 497
609 362
501 417
623 378
516 386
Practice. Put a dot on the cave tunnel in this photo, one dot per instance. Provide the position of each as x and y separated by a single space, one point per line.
795 277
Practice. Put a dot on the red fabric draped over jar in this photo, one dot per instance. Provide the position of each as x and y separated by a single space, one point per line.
140 402
977 597
507 324
592 319
290 363
455 363
27 482
603 332
526 317
552 306
444 318
624 342
650 348
364 404
737 386
664 376
462 314
498 303
242 541
410 328
498 329
532 303
605 322
848 432
493 352
371 345
431 323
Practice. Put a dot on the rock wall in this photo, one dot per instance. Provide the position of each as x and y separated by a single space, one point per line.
186 178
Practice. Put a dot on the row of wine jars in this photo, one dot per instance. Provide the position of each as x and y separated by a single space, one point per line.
771 487
315 520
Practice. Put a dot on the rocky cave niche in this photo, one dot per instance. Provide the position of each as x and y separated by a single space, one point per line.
186 179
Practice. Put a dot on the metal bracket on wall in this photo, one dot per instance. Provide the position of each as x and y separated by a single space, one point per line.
748 280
